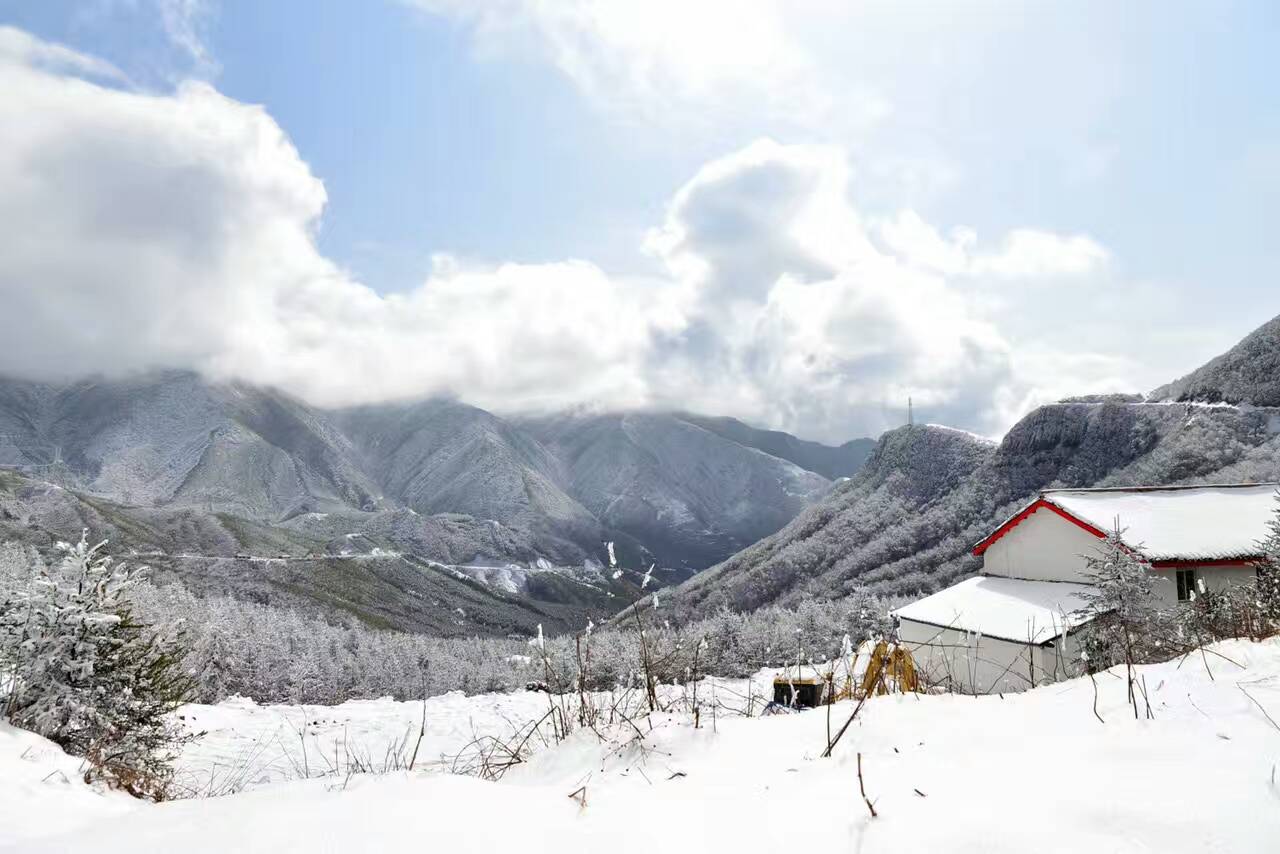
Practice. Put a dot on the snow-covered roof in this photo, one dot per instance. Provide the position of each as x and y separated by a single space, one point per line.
1005 608
1173 523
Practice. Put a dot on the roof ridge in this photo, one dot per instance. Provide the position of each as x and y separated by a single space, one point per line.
1171 488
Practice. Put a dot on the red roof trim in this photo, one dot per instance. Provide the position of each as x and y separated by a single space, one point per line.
1038 504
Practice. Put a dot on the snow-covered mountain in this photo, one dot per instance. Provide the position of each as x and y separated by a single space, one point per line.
445 457
684 492
831 463
1247 373
906 522
202 475
393 569
172 438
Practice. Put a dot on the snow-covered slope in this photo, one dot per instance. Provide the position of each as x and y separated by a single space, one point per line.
1247 373
1031 772
662 487
689 495
173 438
389 569
441 456
831 463
42 790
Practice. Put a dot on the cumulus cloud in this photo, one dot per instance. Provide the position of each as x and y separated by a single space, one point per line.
21 48
151 231
802 321
1023 253
648 58
178 230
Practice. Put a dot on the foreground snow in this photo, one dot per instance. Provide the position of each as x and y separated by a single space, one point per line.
245 745
42 790
1032 772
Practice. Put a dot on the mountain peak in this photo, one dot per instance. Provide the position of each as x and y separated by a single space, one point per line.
1247 373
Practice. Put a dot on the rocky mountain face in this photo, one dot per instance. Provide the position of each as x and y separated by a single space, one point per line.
175 439
905 523
210 480
446 457
666 489
689 495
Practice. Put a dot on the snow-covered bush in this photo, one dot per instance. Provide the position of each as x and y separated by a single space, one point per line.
1267 590
1129 627
83 672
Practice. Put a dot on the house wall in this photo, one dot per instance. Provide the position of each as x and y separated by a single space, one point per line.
1215 578
1047 547
1043 547
973 664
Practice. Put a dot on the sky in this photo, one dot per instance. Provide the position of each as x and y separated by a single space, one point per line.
796 213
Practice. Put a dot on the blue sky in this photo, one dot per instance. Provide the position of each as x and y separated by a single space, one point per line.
530 134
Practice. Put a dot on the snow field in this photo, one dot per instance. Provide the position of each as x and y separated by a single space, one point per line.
1029 772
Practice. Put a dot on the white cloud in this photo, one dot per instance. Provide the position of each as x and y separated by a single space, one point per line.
645 59
175 34
21 48
1024 252
803 323
184 23
1029 253
177 230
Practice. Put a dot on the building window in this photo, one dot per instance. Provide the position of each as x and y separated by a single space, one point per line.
1186 584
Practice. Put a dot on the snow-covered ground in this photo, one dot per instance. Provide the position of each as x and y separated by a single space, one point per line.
245 745
1031 772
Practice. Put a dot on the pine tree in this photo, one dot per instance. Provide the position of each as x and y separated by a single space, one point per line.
89 676
1268 574
1121 597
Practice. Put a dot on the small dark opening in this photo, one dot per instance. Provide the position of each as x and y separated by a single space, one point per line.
807 696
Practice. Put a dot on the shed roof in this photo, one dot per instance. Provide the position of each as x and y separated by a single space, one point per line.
1165 524
1006 608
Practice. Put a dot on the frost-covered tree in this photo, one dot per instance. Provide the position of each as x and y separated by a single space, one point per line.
1126 626
275 654
1268 574
86 674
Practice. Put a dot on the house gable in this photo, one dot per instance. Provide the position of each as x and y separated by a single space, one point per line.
1040 544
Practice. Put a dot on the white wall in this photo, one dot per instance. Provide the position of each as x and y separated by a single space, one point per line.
973 664
1215 578
1046 547
1043 547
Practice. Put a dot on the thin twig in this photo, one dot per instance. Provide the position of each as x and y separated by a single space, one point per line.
1259 705
863 789
831 745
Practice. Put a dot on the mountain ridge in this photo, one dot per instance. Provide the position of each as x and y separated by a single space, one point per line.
173 439
905 523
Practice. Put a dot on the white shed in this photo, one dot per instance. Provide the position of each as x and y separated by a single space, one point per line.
990 634
1010 628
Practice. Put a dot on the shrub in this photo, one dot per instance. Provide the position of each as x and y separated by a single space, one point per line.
84 673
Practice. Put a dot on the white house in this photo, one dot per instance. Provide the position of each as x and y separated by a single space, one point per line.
1011 626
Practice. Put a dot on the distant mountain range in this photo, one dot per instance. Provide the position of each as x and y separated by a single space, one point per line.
905 523
203 477
440 517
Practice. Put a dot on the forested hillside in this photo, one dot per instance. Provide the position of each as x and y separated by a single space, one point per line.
405 571
907 521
